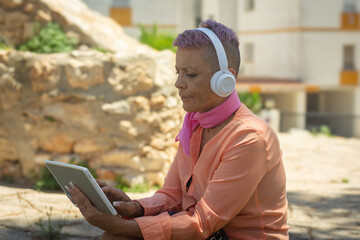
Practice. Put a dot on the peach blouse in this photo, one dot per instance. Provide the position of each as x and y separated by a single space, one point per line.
238 184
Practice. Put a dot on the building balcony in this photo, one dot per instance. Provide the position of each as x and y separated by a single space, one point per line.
349 77
350 21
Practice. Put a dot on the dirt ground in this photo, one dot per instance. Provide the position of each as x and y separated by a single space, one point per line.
323 184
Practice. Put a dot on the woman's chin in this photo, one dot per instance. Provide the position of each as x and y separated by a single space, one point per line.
187 108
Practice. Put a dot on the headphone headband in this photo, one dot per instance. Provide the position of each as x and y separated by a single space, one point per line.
220 51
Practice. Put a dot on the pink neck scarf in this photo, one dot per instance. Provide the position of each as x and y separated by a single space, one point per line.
208 119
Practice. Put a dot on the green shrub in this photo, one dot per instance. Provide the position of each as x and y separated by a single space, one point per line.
323 129
3 45
122 183
156 39
345 180
251 100
48 230
101 49
46 181
49 39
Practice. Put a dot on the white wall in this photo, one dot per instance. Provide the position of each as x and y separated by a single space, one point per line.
186 15
269 14
211 9
162 12
323 13
322 56
102 6
229 13
275 55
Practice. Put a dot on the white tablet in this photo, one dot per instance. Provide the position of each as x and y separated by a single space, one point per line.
65 173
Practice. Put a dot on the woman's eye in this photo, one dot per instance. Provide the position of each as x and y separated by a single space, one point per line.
191 75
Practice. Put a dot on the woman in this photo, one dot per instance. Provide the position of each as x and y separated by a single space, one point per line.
227 180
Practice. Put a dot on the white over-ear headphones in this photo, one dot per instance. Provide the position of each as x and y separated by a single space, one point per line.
222 82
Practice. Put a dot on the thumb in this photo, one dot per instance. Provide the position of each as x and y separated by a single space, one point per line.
127 209
122 207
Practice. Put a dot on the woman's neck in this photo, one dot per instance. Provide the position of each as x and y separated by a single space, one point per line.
209 133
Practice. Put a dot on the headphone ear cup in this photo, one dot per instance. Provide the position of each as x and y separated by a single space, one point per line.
223 83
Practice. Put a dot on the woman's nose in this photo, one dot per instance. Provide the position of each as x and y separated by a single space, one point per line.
180 83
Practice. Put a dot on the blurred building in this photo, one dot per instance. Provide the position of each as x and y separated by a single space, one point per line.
302 56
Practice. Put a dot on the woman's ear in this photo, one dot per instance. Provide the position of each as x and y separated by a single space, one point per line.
232 71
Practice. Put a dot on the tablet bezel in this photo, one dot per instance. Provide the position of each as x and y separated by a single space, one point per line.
96 196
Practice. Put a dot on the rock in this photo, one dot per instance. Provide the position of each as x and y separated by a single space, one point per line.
139 104
172 102
156 160
28 31
58 143
84 74
115 110
43 16
132 129
132 76
11 4
157 102
7 151
29 8
120 107
166 74
4 56
158 143
105 32
79 115
11 169
122 158
13 20
106 174
44 74
86 146
168 126
10 89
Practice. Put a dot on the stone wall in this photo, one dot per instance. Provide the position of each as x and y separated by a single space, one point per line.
118 111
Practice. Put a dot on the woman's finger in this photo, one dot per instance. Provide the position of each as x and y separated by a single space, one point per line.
101 183
128 209
81 201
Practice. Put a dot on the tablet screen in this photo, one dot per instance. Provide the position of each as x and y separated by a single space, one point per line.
65 173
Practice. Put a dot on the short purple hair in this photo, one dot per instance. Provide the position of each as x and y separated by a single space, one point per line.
197 39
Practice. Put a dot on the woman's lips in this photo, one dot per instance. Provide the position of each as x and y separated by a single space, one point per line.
183 98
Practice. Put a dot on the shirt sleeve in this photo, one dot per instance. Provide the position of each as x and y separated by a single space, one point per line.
168 198
242 167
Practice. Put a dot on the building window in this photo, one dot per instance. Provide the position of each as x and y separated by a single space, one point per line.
350 6
249 5
249 52
349 16
349 58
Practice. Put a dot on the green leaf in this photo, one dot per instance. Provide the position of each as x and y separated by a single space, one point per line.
49 39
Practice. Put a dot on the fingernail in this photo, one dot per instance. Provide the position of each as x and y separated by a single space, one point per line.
116 204
71 184
67 188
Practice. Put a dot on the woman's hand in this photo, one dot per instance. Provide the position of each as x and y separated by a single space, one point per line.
89 211
121 202
113 194
114 225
